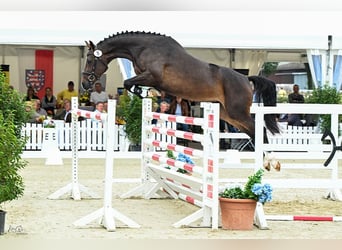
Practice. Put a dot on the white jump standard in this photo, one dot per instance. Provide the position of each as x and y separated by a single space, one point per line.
75 188
107 213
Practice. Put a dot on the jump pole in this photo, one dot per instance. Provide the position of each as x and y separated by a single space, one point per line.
107 213
303 218
75 187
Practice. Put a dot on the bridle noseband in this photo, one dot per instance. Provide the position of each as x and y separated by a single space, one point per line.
92 77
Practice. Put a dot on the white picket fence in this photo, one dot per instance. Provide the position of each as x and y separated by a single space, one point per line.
92 137
290 135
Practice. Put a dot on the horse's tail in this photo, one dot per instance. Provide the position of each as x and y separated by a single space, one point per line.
265 90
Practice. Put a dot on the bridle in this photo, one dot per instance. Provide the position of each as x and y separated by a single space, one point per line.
92 77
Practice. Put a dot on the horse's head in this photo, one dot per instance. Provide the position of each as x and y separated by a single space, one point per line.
95 66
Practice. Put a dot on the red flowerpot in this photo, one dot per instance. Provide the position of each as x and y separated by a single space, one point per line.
237 214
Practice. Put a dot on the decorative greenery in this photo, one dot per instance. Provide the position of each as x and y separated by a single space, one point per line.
180 157
253 189
133 120
84 97
269 68
129 109
12 118
169 154
325 95
48 123
282 99
12 104
11 183
129 112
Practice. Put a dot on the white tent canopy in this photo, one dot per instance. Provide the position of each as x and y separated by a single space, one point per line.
239 29
256 31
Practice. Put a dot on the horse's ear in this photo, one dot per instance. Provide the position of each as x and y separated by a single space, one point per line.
92 45
88 45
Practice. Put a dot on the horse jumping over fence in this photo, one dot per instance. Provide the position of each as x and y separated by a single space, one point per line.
162 63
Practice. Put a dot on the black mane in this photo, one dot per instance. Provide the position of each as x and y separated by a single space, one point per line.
129 34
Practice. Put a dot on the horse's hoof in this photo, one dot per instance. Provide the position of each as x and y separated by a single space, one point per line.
267 165
277 166
144 93
135 90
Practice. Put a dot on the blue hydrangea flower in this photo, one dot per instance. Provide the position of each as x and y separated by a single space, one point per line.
264 192
184 158
257 188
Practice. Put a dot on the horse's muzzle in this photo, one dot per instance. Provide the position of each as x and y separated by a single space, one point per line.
88 80
86 85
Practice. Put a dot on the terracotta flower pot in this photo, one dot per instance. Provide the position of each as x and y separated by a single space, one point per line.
237 214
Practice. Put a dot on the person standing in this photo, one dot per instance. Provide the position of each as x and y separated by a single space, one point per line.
66 94
163 97
179 106
163 108
99 109
30 94
49 102
98 95
295 97
65 113
37 114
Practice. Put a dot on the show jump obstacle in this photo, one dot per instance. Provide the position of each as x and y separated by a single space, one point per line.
107 214
160 176
159 173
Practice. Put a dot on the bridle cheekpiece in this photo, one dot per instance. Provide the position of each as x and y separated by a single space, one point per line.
92 77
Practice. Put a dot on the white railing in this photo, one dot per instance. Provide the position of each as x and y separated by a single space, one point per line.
92 136
295 134
290 135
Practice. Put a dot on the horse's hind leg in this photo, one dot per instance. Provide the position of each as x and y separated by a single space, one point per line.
244 122
241 120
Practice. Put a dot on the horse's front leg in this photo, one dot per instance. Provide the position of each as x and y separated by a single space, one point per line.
132 84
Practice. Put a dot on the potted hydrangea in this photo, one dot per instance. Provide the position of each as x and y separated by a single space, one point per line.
238 202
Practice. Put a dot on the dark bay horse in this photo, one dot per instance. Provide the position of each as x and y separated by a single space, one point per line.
162 63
